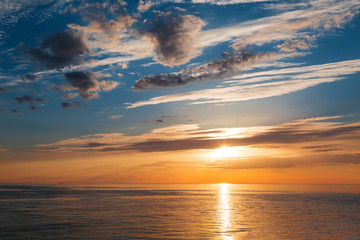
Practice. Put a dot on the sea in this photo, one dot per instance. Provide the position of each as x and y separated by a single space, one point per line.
179 211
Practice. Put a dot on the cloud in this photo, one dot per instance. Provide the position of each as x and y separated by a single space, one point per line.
40 99
123 65
4 149
108 85
245 87
218 69
33 108
174 37
14 110
116 116
59 50
14 11
28 77
113 35
25 98
84 82
144 5
304 23
29 99
66 105
312 136
287 162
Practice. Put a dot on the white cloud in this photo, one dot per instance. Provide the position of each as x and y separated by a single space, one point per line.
295 25
298 78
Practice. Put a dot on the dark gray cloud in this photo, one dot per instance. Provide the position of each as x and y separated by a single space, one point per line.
59 50
219 69
25 98
174 37
84 82
33 108
66 105
14 110
2 89
29 99
28 77
40 99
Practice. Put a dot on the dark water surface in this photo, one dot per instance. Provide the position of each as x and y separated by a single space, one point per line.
180 211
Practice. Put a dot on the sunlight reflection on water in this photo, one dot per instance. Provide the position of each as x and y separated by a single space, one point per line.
224 211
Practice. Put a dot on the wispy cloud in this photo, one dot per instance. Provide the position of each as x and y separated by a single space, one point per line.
305 136
283 81
287 162
290 27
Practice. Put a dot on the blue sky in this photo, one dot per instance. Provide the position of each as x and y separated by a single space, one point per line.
72 73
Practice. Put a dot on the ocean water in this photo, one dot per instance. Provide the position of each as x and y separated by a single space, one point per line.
180 211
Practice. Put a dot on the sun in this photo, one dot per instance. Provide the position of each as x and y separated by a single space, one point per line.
224 152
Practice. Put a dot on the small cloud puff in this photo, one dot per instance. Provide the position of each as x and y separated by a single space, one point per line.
116 116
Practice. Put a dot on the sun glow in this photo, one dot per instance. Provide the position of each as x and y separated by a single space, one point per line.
224 152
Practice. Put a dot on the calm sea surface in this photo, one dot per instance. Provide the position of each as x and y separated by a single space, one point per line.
180 211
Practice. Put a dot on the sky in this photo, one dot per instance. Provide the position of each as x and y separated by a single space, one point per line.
180 91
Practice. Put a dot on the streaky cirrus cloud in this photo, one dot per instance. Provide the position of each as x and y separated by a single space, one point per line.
298 28
219 69
283 81
287 162
311 135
